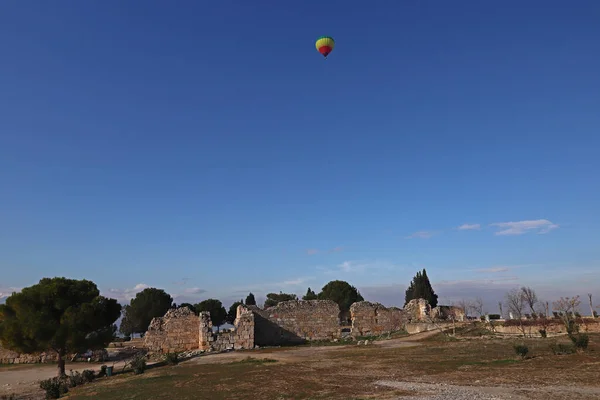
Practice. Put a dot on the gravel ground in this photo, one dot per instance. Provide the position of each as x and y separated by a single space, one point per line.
442 391
429 391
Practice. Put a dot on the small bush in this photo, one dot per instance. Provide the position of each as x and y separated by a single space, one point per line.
580 341
88 375
54 387
172 358
139 365
521 350
8 397
543 333
102 371
561 349
75 379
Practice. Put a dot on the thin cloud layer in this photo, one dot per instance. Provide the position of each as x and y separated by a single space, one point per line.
312 252
540 226
469 227
421 235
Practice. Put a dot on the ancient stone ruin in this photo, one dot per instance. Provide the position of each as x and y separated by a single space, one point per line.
289 322
371 319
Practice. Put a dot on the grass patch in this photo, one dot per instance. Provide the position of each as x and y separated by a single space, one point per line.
350 373
252 360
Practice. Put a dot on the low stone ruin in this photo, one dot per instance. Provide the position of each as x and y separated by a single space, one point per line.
241 337
178 330
296 321
372 319
289 322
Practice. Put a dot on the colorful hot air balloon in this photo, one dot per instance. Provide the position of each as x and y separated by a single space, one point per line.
325 45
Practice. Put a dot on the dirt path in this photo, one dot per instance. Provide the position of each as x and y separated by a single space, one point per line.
303 353
24 379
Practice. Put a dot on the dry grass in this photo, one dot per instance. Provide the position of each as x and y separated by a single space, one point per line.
349 372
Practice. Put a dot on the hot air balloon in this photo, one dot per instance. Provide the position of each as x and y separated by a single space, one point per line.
325 45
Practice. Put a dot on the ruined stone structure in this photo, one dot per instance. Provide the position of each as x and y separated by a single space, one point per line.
177 330
374 319
417 310
447 313
296 321
241 337
289 322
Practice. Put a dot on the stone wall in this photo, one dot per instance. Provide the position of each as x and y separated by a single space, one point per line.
375 319
417 310
12 357
552 326
447 312
418 327
296 321
241 337
176 331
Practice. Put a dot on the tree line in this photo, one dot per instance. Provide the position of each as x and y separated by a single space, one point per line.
70 316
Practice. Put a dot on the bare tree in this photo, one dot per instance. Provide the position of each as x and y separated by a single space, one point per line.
566 307
591 304
515 302
477 306
465 306
500 307
530 298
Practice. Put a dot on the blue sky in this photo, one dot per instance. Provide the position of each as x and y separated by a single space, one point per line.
208 149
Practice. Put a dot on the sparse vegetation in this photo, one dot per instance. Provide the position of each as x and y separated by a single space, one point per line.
521 349
580 341
562 348
172 358
138 364
252 360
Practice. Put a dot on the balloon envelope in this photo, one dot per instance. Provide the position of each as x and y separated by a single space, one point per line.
325 45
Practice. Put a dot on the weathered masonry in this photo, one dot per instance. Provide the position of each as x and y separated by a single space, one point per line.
289 322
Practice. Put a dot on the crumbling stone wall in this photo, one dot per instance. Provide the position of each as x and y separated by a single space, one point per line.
375 319
12 357
417 310
176 331
296 321
447 312
241 337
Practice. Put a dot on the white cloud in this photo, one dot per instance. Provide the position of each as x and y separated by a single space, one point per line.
521 227
193 290
469 227
421 235
361 266
7 291
493 270
125 295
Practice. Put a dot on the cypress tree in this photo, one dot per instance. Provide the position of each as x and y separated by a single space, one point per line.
420 287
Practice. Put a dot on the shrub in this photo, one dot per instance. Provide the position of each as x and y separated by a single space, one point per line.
562 348
8 397
172 358
88 375
577 315
595 314
580 341
54 387
521 350
75 379
139 365
102 371
543 333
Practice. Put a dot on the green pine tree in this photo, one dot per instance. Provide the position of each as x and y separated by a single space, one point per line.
420 288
